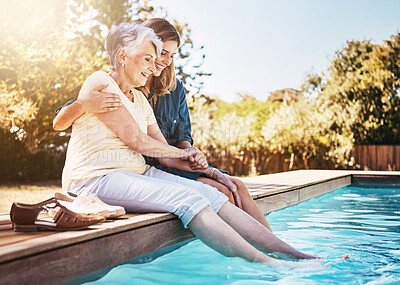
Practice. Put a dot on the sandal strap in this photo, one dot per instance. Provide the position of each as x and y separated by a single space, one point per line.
26 214
65 219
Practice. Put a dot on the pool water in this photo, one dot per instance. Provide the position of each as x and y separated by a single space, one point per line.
363 222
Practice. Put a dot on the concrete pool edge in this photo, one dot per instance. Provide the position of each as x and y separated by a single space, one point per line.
94 250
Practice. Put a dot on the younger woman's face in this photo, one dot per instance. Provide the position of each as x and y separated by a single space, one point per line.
167 56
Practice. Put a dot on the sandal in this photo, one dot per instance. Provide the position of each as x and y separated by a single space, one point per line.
81 205
89 204
115 211
24 217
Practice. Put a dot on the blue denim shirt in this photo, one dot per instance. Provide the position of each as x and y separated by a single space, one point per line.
172 114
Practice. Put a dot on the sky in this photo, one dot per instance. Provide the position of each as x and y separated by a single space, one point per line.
259 46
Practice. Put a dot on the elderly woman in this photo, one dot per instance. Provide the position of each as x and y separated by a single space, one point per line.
167 97
105 157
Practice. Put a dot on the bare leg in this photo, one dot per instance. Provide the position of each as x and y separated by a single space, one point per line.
255 233
221 188
248 204
218 235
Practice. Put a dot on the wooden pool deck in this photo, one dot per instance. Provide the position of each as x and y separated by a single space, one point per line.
55 257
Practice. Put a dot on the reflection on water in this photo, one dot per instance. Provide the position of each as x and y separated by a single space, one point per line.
361 222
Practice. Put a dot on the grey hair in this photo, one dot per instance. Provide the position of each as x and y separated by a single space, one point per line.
129 37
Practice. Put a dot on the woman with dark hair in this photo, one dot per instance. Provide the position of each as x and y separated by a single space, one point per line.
167 96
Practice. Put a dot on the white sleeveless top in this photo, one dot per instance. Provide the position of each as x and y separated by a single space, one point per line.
94 150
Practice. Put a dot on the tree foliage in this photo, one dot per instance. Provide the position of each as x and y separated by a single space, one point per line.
356 101
103 14
248 107
48 48
366 74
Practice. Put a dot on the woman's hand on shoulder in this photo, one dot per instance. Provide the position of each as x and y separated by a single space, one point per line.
97 101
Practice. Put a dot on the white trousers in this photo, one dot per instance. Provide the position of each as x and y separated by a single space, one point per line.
153 191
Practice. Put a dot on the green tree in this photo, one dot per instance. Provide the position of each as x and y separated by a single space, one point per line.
103 14
247 107
365 74
356 101
303 133
48 48
230 134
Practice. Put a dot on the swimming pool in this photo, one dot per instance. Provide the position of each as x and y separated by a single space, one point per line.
363 222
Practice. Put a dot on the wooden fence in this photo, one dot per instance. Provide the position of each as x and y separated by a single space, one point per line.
367 157
377 157
251 162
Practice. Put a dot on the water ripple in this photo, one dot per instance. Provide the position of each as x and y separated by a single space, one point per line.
364 223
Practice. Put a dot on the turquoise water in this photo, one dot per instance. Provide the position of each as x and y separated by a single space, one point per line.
361 222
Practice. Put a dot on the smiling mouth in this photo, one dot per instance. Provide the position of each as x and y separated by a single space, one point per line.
160 67
145 74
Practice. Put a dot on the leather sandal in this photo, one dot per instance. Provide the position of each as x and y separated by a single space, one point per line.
24 217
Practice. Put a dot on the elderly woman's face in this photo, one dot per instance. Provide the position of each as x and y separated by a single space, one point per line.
167 56
141 65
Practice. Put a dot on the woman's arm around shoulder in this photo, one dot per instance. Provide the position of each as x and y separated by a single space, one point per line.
94 100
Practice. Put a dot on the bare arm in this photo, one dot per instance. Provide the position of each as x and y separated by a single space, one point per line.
196 162
94 101
67 116
213 173
183 144
154 132
125 127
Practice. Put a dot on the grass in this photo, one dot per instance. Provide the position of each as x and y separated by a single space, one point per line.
26 193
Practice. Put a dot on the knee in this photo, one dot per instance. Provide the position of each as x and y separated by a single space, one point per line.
188 211
199 218
222 188
241 187
225 190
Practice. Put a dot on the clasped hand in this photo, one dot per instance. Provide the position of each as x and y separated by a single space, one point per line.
197 160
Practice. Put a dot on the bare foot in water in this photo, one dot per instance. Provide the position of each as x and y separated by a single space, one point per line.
344 257
295 265
303 264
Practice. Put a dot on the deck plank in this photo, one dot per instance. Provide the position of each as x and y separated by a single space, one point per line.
19 250
51 240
